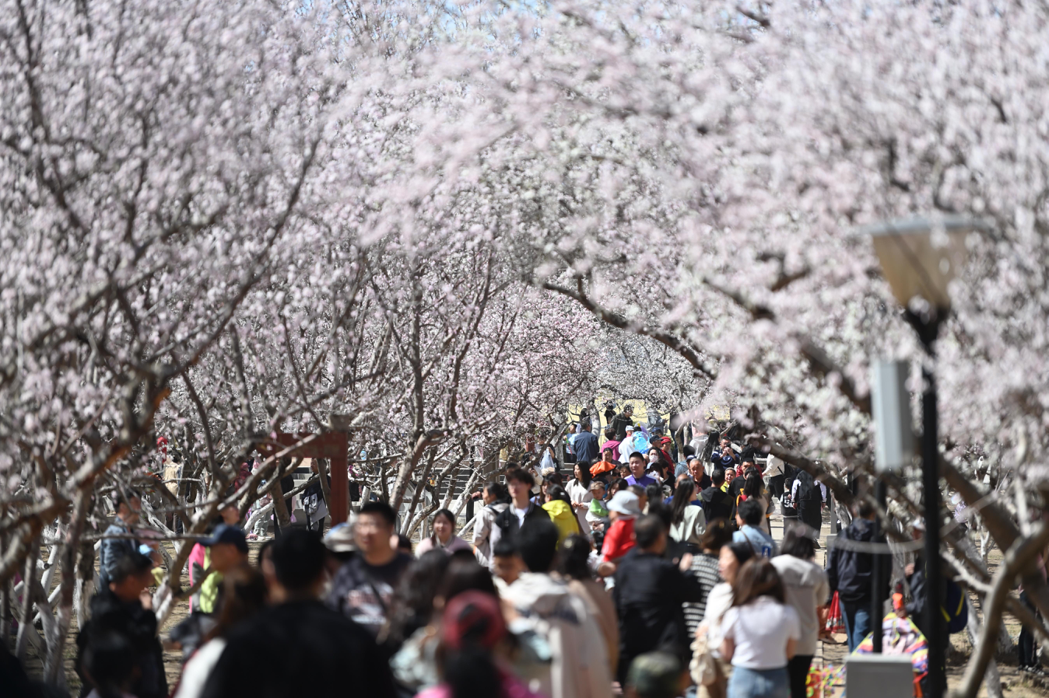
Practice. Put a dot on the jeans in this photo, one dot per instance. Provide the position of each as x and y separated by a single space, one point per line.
857 622
755 683
798 669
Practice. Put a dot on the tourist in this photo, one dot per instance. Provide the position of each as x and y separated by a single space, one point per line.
611 444
496 500
698 473
637 471
585 445
807 590
559 508
774 476
713 682
649 592
244 594
129 508
754 489
750 516
579 666
519 483
724 456
705 569
473 653
313 502
622 424
687 521
109 666
125 608
623 508
716 503
573 564
363 587
300 646
507 565
578 489
443 536
412 626
809 496
760 633
850 573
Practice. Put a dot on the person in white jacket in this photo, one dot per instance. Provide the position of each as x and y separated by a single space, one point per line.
486 533
580 664
635 441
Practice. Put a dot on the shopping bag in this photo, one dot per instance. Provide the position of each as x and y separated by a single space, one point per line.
835 620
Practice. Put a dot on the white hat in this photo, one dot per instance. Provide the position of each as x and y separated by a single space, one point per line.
340 538
630 427
625 503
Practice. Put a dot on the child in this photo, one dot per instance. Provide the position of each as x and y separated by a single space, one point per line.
597 513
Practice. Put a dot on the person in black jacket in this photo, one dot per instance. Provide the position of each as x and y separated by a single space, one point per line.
849 573
300 647
717 504
648 596
519 482
621 421
125 608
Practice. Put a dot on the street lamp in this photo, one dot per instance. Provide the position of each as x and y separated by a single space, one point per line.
919 258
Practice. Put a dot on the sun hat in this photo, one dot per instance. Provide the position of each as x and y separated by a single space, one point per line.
625 503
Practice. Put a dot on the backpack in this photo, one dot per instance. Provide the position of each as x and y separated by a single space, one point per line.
955 610
808 489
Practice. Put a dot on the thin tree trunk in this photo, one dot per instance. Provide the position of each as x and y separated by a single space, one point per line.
992 679
28 578
52 673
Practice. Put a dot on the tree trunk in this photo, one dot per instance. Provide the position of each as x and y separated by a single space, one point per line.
25 627
992 679
67 585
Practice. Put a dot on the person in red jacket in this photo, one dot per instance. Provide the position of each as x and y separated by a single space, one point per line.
623 508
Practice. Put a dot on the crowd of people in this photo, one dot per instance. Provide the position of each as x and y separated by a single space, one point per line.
648 572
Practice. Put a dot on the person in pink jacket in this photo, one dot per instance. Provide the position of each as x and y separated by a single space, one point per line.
443 537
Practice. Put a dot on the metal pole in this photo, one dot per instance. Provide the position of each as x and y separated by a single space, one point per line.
878 571
934 582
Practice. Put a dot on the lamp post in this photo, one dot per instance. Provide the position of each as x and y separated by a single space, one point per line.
920 257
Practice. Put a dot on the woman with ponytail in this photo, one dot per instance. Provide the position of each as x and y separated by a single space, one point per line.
471 656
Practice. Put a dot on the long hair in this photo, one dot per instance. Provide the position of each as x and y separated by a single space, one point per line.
757 577
573 558
752 487
412 603
556 492
682 498
244 594
584 475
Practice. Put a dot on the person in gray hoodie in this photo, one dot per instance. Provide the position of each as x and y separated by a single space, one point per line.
580 665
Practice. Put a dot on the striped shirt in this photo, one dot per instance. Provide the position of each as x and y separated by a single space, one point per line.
705 570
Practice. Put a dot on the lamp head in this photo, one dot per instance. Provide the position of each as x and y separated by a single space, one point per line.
921 256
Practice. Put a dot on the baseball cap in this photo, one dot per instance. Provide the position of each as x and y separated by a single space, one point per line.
630 427
625 503
225 533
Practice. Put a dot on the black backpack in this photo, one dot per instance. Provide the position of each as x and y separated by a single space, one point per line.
808 489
